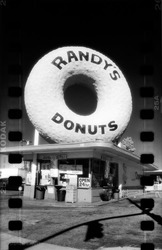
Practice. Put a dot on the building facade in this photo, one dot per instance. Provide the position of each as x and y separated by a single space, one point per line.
89 168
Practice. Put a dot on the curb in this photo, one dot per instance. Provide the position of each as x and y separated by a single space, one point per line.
63 204
70 205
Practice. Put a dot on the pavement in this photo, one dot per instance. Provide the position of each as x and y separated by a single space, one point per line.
6 239
54 203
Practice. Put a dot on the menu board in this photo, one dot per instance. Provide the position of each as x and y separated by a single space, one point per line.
70 169
84 182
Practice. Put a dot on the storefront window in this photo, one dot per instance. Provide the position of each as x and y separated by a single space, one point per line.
27 167
70 170
98 170
85 164
43 172
75 166
114 173
45 165
103 175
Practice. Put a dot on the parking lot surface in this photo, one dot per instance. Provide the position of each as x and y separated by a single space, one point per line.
57 225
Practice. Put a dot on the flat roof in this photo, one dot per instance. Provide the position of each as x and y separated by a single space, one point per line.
105 148
154 172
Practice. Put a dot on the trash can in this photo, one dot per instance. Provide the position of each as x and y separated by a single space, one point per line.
61 195
40 192
57 188
116 194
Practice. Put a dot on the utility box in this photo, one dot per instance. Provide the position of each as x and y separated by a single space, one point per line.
71 194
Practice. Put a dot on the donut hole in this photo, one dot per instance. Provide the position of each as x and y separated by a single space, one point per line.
80 94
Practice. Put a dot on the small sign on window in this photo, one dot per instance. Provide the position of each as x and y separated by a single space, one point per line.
84 183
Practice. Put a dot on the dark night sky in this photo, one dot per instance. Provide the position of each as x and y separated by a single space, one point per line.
126 31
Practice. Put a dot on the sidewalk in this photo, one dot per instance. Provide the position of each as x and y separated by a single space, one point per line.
54 203
6 239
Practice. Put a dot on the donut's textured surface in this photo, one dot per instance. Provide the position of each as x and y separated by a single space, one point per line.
46 107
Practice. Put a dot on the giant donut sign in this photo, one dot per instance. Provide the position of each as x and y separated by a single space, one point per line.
71 69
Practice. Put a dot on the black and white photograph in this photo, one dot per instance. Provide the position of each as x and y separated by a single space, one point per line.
80 125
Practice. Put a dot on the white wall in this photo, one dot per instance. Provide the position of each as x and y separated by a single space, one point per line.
129 174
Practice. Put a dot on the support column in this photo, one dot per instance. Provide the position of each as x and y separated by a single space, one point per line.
90 176
33 176
90 172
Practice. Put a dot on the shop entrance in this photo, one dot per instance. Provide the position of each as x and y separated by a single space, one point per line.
104 173
113 174
104 179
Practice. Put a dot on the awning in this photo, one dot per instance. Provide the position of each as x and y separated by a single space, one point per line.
108 149
154 172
